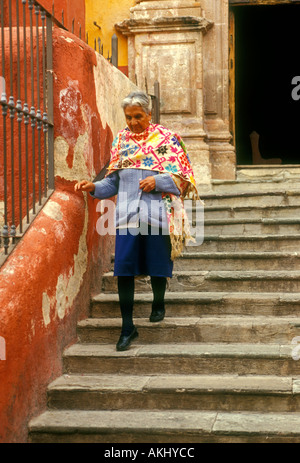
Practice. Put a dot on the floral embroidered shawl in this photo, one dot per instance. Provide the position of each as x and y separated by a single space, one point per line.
158 149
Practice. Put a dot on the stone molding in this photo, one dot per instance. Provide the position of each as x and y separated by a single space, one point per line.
163 24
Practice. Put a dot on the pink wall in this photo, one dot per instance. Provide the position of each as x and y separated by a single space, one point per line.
46 283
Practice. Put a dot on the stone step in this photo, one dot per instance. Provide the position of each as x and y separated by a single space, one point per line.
249 226
255 212
193 280
193 304
252 186
223 366
185 359
262 180
238 261
177 392
241 243
266 174
230 329
284 197
181 426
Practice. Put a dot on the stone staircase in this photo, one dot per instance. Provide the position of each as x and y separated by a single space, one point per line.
222 366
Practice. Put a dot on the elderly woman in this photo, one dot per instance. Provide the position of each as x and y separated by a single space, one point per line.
151 173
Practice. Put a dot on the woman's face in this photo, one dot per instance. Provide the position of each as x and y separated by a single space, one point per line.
136 118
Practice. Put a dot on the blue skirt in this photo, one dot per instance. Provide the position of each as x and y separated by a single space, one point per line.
143 254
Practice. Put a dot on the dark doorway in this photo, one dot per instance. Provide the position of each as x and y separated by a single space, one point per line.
267 42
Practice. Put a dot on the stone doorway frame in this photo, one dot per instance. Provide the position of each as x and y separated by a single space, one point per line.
232 115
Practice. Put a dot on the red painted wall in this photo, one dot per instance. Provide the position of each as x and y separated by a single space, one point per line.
72 9
33 346
69 9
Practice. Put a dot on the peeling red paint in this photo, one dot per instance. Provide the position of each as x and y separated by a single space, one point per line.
33 351
48 252
76 85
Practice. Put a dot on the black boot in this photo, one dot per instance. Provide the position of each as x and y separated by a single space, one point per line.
157 315
159 285
126 297
125 341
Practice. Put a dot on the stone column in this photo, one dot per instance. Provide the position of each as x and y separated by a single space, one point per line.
166 43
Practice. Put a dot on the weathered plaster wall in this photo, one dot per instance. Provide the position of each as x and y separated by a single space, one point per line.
46 283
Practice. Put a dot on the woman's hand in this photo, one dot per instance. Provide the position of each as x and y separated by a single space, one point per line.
148 184
84 185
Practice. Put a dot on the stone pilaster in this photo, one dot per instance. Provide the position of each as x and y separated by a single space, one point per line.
216 90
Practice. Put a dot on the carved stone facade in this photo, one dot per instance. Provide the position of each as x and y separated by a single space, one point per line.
184 46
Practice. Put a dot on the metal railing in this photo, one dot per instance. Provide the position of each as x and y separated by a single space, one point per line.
26 114
156 103
98 47
26 125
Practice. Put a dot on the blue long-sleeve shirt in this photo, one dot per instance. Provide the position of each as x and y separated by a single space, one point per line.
134 206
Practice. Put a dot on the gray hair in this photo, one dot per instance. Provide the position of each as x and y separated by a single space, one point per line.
138 99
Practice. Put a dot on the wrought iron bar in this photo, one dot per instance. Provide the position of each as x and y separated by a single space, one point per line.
45 116
26 111
26 100
32 109
114 51
38 113
114 58
156 103
12 111
27 159
49 62
4 232
19 118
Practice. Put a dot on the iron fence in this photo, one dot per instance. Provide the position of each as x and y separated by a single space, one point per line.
26 113
26 128
156 103
98 47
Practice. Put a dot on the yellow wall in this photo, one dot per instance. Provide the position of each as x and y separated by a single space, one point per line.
106 13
